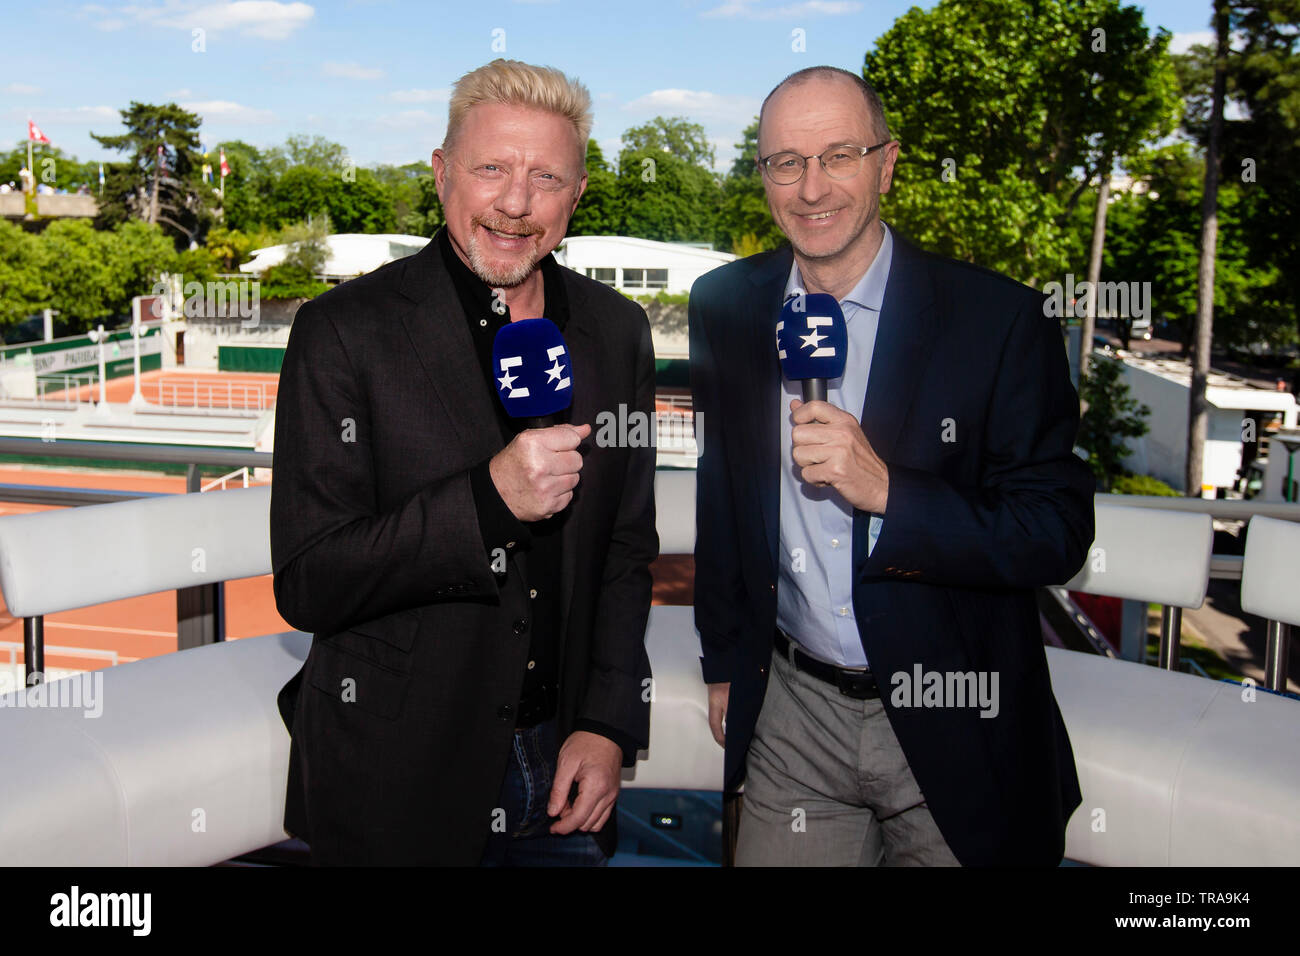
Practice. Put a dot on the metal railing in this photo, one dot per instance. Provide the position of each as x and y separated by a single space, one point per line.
64 389
192 393
200 610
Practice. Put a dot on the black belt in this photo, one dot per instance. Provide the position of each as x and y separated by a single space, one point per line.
858 684
541 705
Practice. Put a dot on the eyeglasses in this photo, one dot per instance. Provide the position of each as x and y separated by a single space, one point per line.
839 162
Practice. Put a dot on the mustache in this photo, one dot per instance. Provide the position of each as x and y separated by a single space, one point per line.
517 227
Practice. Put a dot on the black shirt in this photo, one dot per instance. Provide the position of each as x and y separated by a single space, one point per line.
486 315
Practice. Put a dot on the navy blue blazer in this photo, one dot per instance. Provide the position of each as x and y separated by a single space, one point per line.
971 407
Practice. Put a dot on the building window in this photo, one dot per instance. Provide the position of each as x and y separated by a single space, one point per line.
633 278
602 275
656 278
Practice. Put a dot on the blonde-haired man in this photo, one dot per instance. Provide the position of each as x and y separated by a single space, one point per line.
478 592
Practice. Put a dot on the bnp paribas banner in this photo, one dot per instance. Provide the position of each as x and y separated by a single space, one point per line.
78 354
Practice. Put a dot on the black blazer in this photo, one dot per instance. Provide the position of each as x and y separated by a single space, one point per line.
971 528
382 412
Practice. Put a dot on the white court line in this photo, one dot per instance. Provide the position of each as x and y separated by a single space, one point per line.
114 630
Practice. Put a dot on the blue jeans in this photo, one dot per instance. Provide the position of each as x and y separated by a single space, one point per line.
526 839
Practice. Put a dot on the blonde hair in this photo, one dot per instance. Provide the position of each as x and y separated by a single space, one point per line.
514 83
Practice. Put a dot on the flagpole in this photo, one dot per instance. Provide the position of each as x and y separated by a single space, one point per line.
31 173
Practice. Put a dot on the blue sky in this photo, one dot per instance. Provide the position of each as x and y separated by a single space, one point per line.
374 74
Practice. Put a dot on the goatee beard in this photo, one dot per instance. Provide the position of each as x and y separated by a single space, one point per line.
504 277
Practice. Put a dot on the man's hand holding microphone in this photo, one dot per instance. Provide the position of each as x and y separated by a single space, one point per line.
536 473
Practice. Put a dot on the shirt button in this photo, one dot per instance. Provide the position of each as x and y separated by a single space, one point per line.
835 542
532 592
482 322
844 612
510 544
532 664
521 625
505 712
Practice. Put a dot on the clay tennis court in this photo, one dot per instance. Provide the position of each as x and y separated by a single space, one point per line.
146 626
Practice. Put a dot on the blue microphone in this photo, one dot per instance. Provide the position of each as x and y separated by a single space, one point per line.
530 363
812 342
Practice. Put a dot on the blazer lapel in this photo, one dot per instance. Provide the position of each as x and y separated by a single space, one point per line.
764 305
580 339
435 324
904 337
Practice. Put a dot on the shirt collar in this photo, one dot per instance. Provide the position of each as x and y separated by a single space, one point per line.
476 296
869 293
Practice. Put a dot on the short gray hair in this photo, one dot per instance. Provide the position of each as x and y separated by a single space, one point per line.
875 109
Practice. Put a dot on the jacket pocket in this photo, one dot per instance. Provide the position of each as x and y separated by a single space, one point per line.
354 681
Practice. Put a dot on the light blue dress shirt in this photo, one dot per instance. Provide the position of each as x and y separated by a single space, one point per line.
815 582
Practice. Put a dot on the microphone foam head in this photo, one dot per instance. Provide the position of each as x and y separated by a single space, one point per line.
530 363
812 339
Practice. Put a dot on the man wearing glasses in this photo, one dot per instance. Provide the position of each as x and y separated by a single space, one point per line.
866 565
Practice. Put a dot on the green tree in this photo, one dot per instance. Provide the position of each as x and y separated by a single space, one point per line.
745 224
160 181
998 105
1262 150
598 209
315 152
666 187
248 187
677 135
402 184
23 291
426 217
92 274
666 198
68 172
295 276
1112 415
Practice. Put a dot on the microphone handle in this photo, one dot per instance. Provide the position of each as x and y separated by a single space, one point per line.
814 389
537 421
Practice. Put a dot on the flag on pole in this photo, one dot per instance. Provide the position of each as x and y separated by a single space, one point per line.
207 172
225 167
101 174
34 133
162 160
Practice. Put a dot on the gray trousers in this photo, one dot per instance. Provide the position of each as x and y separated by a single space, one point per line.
827 784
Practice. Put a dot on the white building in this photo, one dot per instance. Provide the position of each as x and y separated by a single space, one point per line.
1163 386
639 266
350 254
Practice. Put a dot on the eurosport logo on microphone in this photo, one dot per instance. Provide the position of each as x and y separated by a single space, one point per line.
512 364
811 337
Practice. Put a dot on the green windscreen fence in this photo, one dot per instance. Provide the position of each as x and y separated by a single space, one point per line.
672 373
249 358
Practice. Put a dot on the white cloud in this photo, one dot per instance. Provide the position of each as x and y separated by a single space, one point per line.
1182 42
411 119
698 104
807 8
21 89
265 19
181 94
420 96
229 111
352 71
